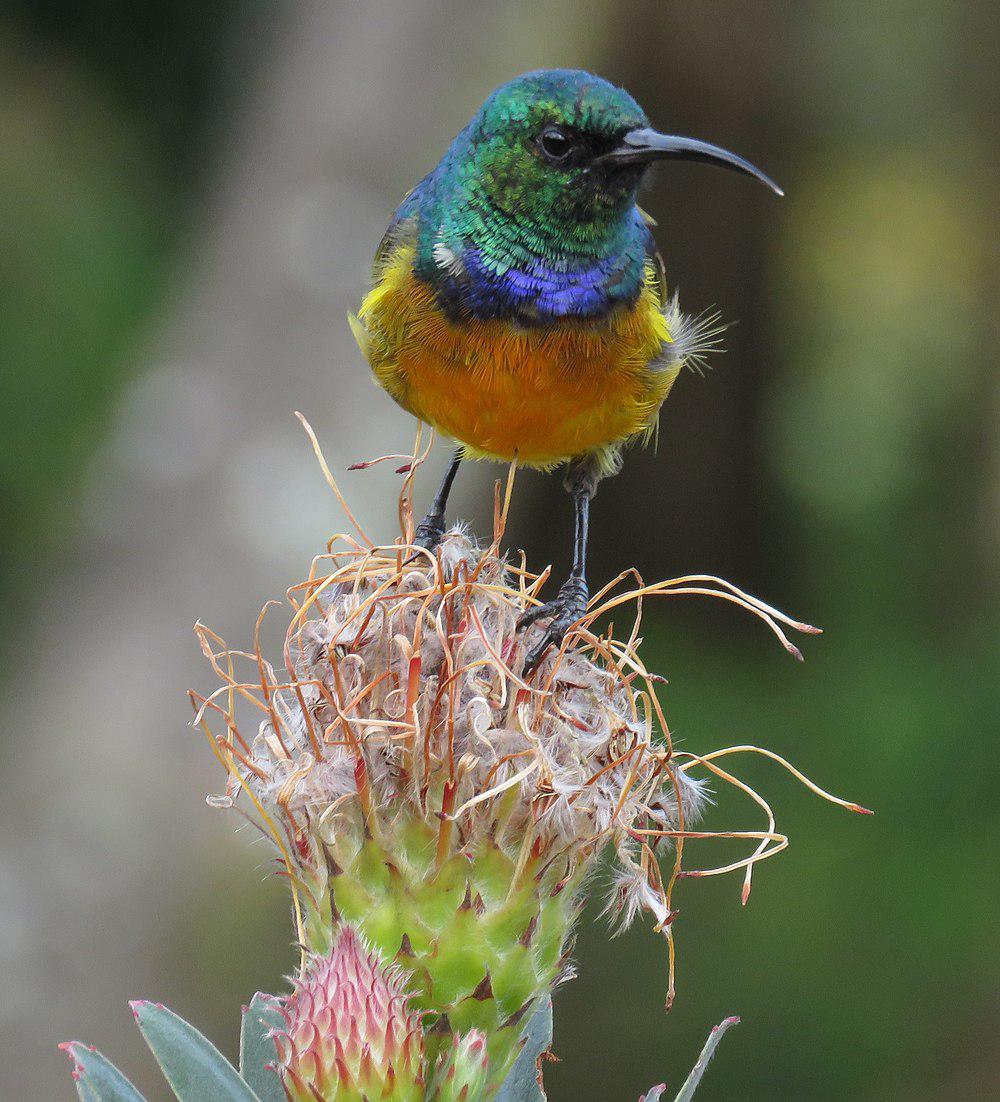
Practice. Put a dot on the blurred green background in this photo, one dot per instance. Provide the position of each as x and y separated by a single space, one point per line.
189 194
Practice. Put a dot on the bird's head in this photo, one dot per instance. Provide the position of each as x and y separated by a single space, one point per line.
566 149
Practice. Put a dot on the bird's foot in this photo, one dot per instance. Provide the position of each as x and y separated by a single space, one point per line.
568 607
428 534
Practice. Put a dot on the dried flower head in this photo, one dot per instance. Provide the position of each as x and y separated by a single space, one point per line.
422 790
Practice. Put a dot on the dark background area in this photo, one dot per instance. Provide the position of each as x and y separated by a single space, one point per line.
189 194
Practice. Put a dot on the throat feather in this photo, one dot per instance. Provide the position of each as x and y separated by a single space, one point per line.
534 290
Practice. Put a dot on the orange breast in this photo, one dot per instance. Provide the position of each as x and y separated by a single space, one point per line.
543 394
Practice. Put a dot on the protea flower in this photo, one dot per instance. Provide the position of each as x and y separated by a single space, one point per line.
463 1075
350 1035
424 793
437 814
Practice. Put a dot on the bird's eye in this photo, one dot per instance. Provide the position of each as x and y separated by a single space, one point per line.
556 144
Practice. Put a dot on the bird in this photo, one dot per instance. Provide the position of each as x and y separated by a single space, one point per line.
518 303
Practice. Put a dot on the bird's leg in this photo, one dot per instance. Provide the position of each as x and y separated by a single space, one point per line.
571 602
431 528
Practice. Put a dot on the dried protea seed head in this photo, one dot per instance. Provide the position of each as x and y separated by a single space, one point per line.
350 1035
427 794
424 791
408 701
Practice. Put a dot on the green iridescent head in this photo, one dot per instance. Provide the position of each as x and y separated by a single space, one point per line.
563 152
536 145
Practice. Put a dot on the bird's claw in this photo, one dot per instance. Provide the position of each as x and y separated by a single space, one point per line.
568 607
428 534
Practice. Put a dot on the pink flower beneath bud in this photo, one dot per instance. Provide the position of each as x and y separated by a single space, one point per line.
350 1034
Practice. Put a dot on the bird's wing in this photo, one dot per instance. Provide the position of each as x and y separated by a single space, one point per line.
693 338
655 263
403 224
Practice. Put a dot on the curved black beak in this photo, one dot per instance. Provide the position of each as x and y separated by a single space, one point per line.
646 144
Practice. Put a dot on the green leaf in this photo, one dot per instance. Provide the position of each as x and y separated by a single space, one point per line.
654 1094
522 1084
192 1065
97 1079
257 1049
686 1092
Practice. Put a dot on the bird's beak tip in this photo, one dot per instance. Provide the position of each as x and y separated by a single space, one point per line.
649 144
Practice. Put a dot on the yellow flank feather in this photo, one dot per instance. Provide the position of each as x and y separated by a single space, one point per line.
542 395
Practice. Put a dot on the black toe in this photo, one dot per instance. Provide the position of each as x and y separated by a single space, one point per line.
428 534
567 608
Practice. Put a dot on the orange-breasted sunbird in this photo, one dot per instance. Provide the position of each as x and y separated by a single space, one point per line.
518 301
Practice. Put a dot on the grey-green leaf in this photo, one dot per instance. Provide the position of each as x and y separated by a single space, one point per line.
192 1065
522 1084
97 1079
686 1092
257 1049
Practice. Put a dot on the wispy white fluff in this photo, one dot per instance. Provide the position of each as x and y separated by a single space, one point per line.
584 769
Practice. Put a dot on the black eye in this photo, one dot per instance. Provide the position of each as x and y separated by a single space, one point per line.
556 144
